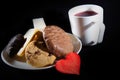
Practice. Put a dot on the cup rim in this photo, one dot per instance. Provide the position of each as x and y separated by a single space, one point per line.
73 8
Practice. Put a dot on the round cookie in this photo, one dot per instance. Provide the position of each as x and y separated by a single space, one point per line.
58 41
36 55
14 45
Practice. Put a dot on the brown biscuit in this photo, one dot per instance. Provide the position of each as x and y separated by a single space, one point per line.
37 56
58 41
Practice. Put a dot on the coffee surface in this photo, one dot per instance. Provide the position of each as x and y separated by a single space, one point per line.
86 13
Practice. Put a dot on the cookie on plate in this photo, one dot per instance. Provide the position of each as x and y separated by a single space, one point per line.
36 54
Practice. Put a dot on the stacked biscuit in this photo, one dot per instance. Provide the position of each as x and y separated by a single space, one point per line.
43 47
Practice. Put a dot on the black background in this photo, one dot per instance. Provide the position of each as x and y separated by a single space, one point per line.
98 62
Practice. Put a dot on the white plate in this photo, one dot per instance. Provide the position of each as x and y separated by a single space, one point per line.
23 65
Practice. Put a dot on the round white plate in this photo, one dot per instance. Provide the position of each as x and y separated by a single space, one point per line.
13 62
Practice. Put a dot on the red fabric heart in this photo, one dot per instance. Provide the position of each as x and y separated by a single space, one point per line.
69 65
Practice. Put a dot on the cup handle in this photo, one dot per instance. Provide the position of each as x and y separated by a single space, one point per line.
101 33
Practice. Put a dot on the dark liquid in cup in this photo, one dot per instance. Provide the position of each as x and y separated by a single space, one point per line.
86 13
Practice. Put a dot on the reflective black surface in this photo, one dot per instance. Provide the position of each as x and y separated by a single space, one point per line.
97 62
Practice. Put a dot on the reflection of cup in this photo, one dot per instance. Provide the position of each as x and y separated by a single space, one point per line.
86 21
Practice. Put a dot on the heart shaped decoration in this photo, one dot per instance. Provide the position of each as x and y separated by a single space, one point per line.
69 65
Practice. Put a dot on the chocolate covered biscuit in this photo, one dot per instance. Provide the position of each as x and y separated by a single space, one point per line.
14 45
58 41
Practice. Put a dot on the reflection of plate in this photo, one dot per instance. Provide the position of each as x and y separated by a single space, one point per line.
23 65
